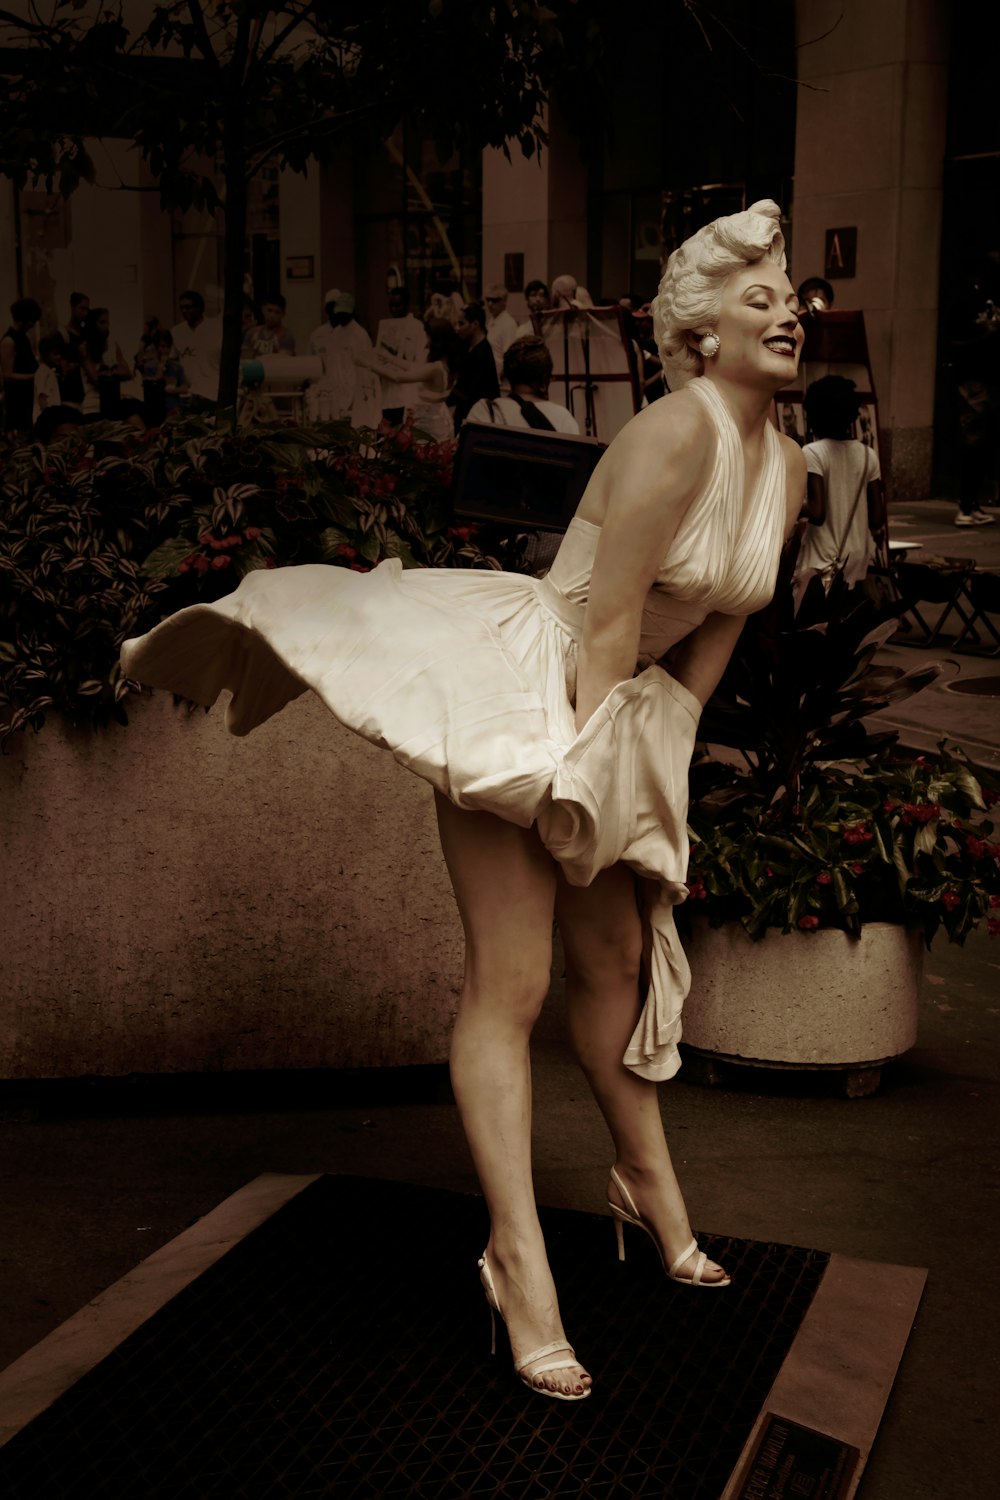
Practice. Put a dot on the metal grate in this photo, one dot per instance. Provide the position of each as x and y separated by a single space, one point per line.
342 1350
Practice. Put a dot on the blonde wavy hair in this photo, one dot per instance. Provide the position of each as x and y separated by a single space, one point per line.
690 293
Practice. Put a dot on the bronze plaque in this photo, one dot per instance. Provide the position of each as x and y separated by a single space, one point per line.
790 1462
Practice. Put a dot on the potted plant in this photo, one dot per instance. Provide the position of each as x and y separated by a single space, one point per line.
822 859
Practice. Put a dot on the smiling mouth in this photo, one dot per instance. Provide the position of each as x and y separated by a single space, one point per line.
782 344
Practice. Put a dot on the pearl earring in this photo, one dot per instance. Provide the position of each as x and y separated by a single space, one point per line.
709 345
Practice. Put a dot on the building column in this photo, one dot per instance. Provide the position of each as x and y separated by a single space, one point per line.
870 141
535 207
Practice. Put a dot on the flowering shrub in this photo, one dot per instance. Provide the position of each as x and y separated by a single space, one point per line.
823 824
109 531
886 839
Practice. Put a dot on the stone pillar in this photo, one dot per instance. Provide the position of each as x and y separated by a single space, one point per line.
869 150
537 207
299 200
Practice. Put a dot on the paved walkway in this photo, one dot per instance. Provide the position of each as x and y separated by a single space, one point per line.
968 720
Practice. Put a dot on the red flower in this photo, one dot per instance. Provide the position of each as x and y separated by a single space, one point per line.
344 549
824 878
995 900
269 562
920 812
460 533
976 847
221 562
859 834
950 900
201 563
808 923
207 538
361 567
888 806
993 926
857 869
252 533
696 889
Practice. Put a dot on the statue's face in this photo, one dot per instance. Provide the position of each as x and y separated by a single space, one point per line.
758 326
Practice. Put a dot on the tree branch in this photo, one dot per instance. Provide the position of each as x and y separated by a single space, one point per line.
822 36
275 44
201 30
314 128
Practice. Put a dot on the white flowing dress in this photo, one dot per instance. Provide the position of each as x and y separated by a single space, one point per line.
468 676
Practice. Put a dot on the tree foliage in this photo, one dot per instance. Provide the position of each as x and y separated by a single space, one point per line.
212 90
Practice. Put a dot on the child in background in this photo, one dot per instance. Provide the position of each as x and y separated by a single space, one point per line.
844 500
59 379
161 367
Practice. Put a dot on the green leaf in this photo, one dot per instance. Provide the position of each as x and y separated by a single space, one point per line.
165 559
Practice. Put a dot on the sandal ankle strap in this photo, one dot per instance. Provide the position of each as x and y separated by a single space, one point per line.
627 1198
553 1348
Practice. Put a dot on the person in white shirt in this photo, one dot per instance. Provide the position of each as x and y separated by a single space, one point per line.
501 327
347 391
198 341
527 369
844 501
401 336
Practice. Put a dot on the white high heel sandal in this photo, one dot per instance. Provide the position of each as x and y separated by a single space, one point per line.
631 1215
520 1365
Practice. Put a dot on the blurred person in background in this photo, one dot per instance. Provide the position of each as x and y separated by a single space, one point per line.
347 391
974 316
536 295
844 505
436 376
163 370
477 369
401 336
501 328
815 296
59 378
527 368
18 363
103 363
270 335
71 332
198 342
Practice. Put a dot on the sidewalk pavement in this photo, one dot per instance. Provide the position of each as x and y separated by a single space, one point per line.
94 1182
968 720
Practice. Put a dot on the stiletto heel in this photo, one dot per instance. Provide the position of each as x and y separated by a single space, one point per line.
629 1214
520 1365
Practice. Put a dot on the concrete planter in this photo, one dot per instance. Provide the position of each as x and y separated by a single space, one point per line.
177 900
804 999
